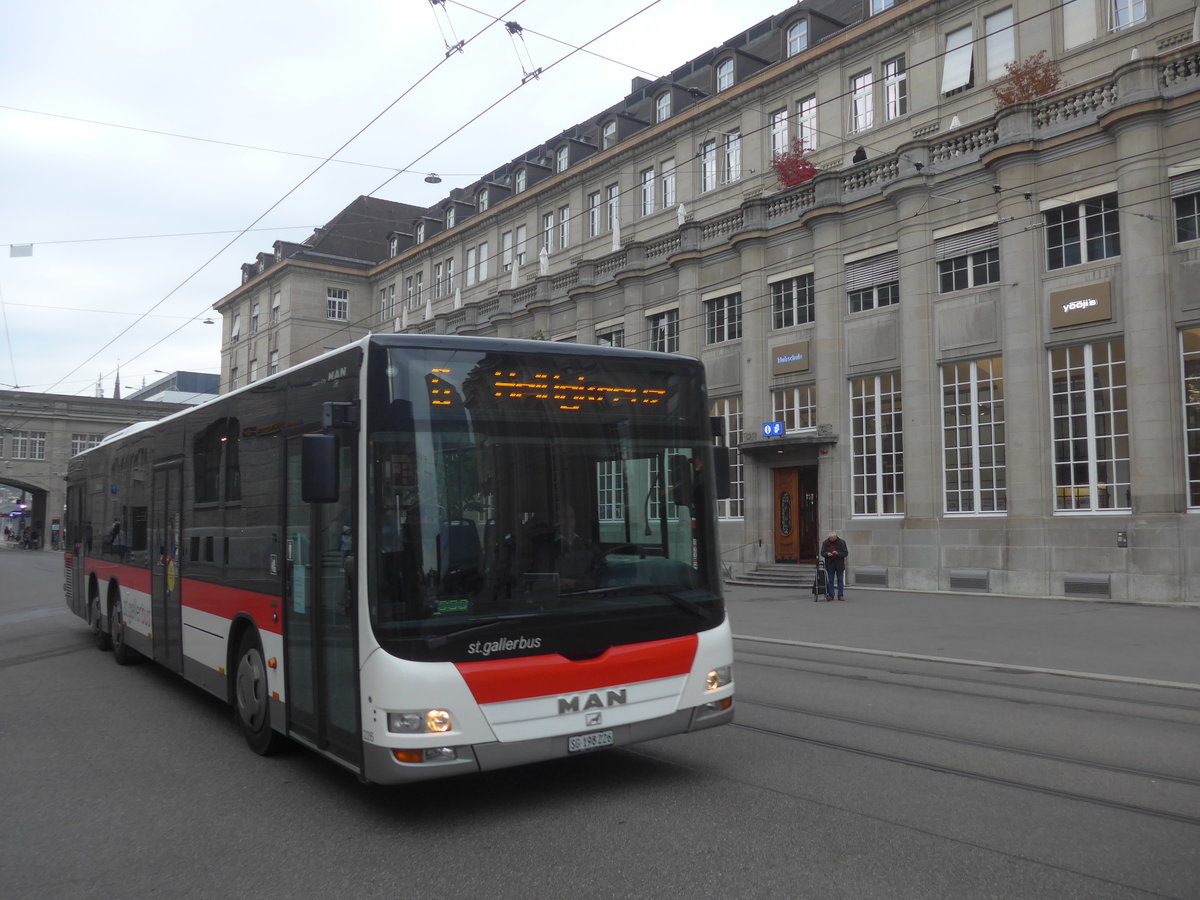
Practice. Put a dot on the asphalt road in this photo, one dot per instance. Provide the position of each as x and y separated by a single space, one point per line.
846 775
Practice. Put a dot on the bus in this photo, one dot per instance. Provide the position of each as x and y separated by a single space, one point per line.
423 555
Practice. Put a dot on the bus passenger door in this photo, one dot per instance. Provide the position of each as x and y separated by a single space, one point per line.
319 621
166 582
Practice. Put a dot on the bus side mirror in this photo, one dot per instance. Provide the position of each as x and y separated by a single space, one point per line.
318 468
681 479
721 471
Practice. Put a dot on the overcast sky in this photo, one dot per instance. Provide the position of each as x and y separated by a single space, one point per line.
132 212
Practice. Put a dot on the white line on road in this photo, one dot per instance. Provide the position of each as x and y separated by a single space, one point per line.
977 663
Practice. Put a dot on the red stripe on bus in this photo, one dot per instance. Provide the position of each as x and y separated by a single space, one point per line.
538 676
204 596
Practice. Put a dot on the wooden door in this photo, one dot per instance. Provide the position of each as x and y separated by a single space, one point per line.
787 515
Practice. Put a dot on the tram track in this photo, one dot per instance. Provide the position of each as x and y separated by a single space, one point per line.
982 777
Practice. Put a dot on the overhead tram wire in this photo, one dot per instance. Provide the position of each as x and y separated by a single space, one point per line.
274 205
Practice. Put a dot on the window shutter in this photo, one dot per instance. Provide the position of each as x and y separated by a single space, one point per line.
968 242
870 272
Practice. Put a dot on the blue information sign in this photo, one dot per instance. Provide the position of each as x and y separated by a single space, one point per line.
772 429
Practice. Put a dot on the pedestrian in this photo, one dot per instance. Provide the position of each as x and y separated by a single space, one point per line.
834 551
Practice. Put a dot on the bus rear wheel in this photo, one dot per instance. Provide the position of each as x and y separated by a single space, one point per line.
99 635
252 700
122 652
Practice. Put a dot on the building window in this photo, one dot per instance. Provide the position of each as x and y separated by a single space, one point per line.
806 122
708 165
968 260
662 107
438 283
779 132
647 191
610 491
419 285
1091 427
564 227
81 442
273 362
482 201
450 217
797 37
276 304
1000 43
1187 210
792 301
724 75
723 319
733 156
1082 232
450 275
873 283
420 232
1191 412
668 182
958 66
593 213
611 337
409 292
548 231
235 328
471 270
562 158
878 6
795 407
877 477
614 205
253 372
895 88
387 303
1079 22
664 331
1123 13
522 232
729 411
608 135
485 256
974 477
862 107
233 378
506 251
393 245
337 304
519 181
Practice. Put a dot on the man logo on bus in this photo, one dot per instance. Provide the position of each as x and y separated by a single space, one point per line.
591 701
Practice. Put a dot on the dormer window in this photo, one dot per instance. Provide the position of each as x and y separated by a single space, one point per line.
393 245
724 75
562 158
608 135
662 107
797 37
450 217
519 181
482 200
878 6
420 233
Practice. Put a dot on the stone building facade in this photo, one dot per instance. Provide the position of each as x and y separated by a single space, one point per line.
970 343
40 432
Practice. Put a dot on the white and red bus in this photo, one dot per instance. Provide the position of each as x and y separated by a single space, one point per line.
422 555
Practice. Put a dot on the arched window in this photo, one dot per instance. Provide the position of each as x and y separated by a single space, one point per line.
724 74
450 217
482 200
662 107
608 135
420 233
519 181
797 37
562 158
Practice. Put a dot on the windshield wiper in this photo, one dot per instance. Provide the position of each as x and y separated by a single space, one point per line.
687 605
441 640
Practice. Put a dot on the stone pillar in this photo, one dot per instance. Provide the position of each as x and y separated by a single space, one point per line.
828 354
756 399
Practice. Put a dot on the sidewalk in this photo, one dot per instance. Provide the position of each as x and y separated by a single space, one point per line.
1158 643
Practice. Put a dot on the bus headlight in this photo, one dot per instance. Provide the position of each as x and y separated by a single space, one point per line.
424 721
718 678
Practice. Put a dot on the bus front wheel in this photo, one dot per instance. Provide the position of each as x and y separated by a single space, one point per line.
252 700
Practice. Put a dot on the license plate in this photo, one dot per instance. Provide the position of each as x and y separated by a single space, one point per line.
592 741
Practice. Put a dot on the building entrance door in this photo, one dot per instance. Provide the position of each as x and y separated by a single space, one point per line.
795 514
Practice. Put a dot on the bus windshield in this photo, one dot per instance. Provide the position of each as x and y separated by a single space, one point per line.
549 503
